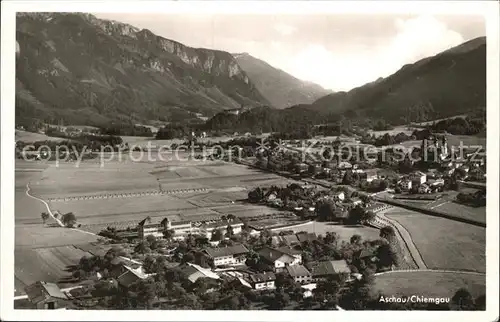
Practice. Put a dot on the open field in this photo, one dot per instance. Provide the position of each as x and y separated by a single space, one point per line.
38 235
225 184
444 243
86 209
24 206
345 232
270 223
453 208
90 180
45 264
30 137
398 129
429 284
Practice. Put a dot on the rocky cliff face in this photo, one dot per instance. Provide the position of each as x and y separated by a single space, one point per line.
280 88
82 69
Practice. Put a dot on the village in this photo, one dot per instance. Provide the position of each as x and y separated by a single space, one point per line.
270 254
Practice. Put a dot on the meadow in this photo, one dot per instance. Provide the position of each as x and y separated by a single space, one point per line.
139 207
49 264
444 243
345 232
459 210
33 137
428 284
90 179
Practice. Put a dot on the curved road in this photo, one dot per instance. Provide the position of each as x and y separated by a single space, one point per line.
415 254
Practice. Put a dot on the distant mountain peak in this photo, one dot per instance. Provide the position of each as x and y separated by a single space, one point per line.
280 88
91 71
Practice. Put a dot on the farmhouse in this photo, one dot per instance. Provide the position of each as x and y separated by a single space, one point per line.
344 165
299 273
366 255
356 201
435 182
279 259
405 184
323 270
371 174
286 240
424 188
419 177
263 281
192 272
338 196
232 255
303 236
46 295
131 276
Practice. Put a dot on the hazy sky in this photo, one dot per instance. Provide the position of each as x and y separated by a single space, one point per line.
338 52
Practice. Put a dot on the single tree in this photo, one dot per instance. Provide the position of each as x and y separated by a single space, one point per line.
229 231
69 219
217 235
463 300
168 234
356 239
387 232
387 256
45 216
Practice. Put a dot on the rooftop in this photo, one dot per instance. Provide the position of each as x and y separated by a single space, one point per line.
331 268
40 290
289 251
262 277
297 270
272 255
287 239
306 236
151 221
192 272
366 253
226 251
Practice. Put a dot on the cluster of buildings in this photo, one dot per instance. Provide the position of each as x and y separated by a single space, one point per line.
419 181
282 259
157 225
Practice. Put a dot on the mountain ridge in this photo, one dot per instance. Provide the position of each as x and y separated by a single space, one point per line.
86 70
447 84
280 88
437 83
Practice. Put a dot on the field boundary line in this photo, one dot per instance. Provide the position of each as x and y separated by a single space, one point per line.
410 245
129 194
431 271
432 212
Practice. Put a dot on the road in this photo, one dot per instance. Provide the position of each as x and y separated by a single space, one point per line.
408 241
57 220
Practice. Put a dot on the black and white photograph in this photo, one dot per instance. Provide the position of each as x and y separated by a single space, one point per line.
242 160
